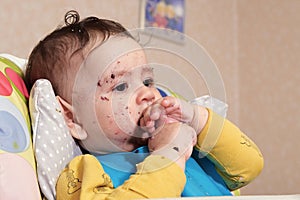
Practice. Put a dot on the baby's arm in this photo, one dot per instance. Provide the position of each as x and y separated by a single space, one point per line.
161 174
84 178
174 141
236 157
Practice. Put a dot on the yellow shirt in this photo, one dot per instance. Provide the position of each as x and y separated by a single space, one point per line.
236 157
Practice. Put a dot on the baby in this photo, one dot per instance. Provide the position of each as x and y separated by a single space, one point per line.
112 108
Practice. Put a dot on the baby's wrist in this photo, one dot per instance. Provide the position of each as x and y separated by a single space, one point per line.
199 119
173 155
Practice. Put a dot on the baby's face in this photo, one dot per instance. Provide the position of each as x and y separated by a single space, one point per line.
122 91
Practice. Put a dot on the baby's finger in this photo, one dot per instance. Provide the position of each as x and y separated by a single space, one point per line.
169 101
172 109
150 124
156 112
142 122
146 115
161 121
151 130
149 111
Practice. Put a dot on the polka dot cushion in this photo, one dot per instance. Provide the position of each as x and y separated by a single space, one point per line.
17 164
53 145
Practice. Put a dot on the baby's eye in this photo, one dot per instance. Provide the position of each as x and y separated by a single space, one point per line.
121 87
148 82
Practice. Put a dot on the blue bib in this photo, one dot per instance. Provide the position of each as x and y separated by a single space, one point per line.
202 178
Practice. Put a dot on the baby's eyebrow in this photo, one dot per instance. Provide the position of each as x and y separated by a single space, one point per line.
119 73
114 75
147 69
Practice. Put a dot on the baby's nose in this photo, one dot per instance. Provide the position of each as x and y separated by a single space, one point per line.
145 95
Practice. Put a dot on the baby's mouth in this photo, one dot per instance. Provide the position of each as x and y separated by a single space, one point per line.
139 121
140 115
142 131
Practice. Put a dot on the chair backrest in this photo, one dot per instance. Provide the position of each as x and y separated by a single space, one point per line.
17 162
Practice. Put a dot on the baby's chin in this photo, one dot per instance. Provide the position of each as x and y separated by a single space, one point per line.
138 138
136 142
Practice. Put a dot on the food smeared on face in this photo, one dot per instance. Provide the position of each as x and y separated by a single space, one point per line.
104 98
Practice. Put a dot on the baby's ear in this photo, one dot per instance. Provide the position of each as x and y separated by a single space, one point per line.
75 129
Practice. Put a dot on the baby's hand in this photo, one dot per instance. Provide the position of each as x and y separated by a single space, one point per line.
170 109
174 141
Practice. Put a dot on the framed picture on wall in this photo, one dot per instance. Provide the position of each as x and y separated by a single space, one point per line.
166 15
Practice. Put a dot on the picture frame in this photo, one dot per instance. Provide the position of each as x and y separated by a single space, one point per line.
164 18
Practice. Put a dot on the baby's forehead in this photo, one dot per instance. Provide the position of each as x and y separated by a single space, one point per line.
110 51
116 71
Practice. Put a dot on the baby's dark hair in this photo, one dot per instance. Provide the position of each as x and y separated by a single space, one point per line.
51 58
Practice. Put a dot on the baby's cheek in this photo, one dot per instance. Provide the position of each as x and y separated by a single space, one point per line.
120 108
104 111
104 98
121 113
